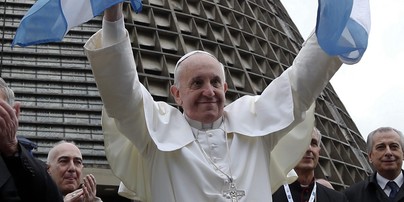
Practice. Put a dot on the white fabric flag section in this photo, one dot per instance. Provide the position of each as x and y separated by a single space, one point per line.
50 20
343 28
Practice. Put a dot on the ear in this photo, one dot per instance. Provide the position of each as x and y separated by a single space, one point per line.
370 157
48 168
175 92
225 87
17 109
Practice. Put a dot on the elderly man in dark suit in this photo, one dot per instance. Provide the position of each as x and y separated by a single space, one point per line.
386 154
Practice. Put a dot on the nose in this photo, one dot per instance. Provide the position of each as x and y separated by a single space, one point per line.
388 151
209 90
72 167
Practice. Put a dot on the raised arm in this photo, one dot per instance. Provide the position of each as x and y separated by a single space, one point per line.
110 54
312 69
113 30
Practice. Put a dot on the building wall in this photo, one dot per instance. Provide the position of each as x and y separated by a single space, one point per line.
255 40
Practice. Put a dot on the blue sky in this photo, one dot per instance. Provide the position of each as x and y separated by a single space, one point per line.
372 90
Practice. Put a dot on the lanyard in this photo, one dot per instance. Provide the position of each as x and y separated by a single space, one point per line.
289 194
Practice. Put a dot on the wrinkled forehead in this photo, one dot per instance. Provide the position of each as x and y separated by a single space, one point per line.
67 150
190 54
178 67
384 135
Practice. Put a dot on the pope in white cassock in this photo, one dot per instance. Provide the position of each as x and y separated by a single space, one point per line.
210 152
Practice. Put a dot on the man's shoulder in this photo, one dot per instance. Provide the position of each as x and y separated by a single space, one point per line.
361 185
327 194
328 190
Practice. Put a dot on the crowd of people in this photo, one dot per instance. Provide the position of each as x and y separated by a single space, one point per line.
206 151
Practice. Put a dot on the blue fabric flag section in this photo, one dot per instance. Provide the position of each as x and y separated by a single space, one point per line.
343 28
50 20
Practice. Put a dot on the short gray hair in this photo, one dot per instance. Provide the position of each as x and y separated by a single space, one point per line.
369 141
317 131
7 92
177 68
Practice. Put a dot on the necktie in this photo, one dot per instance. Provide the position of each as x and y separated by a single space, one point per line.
394 189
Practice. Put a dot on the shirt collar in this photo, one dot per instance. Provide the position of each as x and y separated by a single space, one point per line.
383 181
204 126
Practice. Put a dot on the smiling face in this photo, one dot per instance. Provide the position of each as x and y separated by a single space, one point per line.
386 154
65 164
201 88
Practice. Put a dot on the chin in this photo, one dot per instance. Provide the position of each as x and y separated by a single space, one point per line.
205 116
70 187
210 118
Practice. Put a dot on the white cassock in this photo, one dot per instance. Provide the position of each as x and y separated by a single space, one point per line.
151 146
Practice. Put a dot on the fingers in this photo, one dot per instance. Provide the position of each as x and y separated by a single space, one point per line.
89 188
7 107
17 109
89 182
75 196
8 128
7 114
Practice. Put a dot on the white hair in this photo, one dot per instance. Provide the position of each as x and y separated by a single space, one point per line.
177 68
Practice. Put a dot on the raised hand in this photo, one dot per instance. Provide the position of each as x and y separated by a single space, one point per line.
76 196
8 128
85 194
113 13
89 188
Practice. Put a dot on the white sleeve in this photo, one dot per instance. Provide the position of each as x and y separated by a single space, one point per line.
112 32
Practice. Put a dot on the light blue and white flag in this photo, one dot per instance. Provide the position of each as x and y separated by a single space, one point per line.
343 28
50 20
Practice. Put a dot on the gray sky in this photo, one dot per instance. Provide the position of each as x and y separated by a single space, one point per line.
372 90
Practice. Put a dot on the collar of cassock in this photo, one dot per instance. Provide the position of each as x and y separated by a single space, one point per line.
204 126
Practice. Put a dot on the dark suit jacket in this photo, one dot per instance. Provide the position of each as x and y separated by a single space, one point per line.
369 190
24 179
323 193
